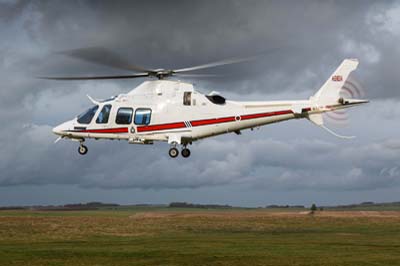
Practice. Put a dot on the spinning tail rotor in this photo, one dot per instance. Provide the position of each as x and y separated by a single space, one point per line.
351 89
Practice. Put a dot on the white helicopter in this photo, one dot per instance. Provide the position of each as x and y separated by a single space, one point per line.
174 112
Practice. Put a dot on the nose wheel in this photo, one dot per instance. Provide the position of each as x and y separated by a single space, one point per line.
82 149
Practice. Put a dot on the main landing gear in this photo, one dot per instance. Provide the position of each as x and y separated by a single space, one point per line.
185 152
174 152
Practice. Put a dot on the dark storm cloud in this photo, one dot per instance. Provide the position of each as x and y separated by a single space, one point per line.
296 37
300 42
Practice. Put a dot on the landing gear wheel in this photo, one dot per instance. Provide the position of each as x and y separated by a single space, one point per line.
185 152
173 152
82 149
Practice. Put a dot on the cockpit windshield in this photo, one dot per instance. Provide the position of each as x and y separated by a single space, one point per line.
87 116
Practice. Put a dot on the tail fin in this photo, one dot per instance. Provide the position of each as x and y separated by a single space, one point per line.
330 92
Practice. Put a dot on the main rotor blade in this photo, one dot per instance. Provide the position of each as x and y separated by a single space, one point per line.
198 75
105 57
140 75
215 64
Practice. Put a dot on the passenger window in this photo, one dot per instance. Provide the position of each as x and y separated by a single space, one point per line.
103 116
187 97
142 116
87 116
124 116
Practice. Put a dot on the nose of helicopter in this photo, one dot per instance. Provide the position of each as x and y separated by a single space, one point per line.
58 130
61 129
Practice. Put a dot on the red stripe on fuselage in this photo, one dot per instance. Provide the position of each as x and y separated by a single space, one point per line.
211 121
252 116
106 130
161 127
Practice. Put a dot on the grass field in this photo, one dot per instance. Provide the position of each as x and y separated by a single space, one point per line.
164 236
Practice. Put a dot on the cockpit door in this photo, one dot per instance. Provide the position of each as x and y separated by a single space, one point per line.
104 115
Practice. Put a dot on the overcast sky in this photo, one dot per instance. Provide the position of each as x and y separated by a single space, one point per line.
300 43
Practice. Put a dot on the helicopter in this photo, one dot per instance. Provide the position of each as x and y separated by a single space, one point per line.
173 111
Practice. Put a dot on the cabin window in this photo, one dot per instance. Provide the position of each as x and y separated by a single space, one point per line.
124 116
87 116
187 97
142 116
103 116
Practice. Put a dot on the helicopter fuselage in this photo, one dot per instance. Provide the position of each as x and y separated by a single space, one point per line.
176 113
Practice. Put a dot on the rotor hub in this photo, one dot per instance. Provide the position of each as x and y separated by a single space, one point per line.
160 74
